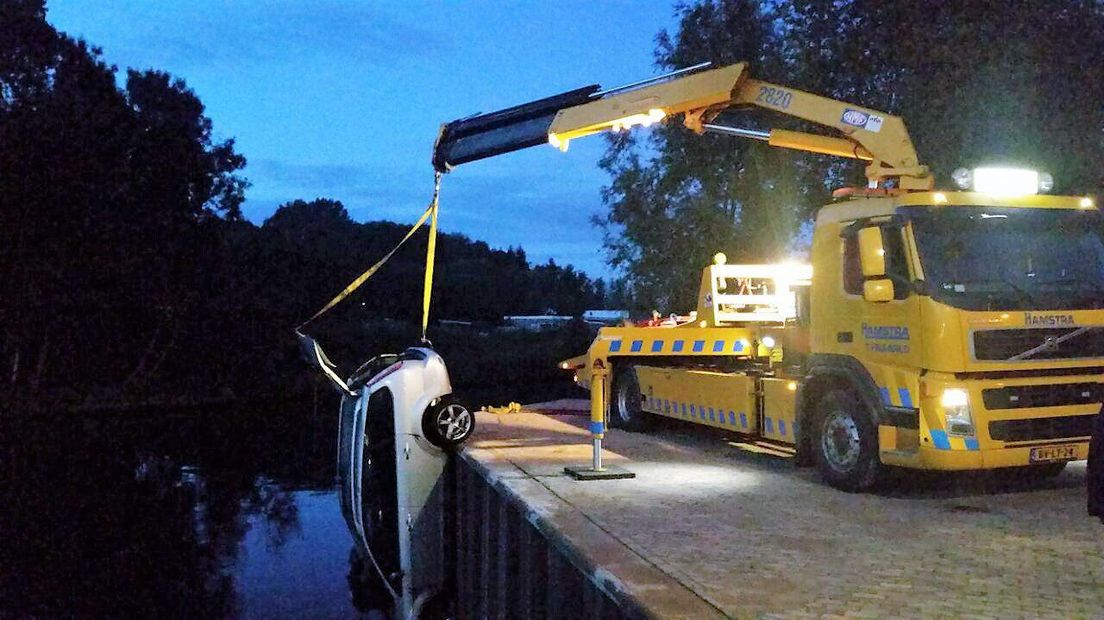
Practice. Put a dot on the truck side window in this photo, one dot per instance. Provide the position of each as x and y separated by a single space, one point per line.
896 261
801 294
852 268
895 257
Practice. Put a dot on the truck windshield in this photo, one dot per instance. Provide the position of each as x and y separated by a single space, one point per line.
991 258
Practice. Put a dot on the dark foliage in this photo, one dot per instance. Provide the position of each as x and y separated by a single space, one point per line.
128 276
977 83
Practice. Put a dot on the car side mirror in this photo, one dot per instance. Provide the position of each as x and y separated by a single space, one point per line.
872 252
879 291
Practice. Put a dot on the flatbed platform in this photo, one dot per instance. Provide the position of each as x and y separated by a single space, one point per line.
709 530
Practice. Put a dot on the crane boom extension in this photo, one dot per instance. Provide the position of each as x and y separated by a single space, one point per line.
866 134
487 135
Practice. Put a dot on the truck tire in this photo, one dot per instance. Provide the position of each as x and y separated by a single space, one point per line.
625 411
846 442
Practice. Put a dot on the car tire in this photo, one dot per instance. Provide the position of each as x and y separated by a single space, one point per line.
446 423
625 410
846 442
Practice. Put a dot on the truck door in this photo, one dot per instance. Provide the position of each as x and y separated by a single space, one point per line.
882 308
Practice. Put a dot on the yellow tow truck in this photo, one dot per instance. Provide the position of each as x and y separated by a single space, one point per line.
932 329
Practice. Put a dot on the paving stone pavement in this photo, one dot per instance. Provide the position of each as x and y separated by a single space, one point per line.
758 538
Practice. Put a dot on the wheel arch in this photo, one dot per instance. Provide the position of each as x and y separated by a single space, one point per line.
638 420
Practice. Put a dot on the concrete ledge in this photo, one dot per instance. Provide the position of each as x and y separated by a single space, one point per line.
635 587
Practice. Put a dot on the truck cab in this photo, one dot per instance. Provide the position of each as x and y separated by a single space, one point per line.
974 323
932 330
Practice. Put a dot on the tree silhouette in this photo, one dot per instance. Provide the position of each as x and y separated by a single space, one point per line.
127 275
977 83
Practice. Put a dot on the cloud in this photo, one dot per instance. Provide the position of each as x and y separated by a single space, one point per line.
527 209
233 34
406 188
389 194
288 175
258 210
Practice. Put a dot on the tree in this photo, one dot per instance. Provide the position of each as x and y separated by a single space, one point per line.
106 197
698 195
994 82
976 82
127 275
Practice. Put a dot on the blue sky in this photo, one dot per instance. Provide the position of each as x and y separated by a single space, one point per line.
344 99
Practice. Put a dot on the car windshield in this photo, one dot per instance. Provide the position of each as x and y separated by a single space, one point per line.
990 258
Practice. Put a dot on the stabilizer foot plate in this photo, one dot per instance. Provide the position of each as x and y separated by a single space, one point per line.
610 472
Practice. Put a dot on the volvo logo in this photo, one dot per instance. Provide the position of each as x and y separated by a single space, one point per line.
1050 344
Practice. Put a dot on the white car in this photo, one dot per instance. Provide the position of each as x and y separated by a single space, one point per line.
398 420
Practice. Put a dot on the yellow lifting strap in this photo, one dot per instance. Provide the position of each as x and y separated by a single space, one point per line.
431 253
430 214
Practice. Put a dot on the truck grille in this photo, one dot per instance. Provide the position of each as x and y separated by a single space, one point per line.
1024 396
1066 427
1002 344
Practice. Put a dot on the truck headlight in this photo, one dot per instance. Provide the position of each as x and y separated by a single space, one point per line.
956 409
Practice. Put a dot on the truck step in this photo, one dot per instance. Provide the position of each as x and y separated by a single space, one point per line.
763 447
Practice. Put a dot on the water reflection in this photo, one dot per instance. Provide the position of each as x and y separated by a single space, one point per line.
178 515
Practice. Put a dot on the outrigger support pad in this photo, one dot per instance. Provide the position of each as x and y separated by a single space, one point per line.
609 472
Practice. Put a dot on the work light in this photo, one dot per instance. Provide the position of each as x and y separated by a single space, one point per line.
1006 181
1003 181
963 178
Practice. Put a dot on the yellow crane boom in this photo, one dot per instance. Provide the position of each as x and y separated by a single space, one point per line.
699 96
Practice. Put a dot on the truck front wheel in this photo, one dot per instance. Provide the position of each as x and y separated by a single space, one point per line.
847 442
626 412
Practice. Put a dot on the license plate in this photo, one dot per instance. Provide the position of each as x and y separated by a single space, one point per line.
1053 453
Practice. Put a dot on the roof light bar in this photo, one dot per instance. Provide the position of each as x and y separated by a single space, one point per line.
1003 181
1006 181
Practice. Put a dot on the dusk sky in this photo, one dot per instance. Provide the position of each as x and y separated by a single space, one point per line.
344 99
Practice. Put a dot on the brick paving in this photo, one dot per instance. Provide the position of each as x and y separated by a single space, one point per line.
757 538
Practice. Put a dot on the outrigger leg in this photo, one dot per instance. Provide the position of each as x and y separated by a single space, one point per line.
597 471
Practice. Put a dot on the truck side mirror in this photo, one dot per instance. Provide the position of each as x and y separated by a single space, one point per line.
878 290
872 252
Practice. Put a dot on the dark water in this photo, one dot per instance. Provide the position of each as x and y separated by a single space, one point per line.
215 514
